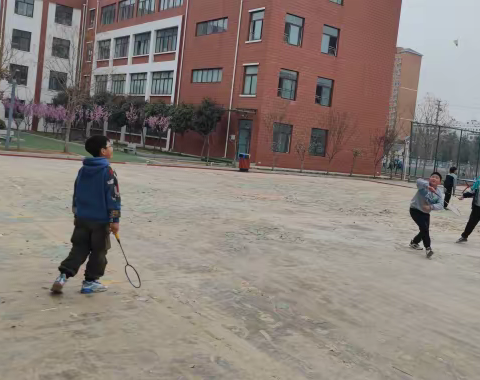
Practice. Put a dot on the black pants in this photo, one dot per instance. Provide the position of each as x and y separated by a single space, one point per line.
423 222
448 195
472 222
89 240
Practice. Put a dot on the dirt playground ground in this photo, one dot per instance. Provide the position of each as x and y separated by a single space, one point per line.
245 277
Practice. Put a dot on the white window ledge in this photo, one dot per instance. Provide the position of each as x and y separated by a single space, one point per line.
253 42
248 96
165 52
120 57
256 10
141 55
103 60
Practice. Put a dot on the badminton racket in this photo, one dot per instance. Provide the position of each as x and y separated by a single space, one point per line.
453 209
130 271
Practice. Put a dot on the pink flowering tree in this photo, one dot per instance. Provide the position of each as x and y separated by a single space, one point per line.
133 117
159 124
99 114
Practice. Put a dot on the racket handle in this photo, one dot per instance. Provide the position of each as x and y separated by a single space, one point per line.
117 236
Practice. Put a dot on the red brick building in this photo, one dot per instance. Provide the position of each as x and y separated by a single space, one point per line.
266 61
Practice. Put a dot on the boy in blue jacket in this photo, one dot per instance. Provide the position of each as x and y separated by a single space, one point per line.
96 206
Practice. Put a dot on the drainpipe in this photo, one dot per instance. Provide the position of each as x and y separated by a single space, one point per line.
233 79
94 42
82 42
181 62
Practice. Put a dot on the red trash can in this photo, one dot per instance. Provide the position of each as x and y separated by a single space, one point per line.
244 162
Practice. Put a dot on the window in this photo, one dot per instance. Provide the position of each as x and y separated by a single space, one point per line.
24 7
91 18
339 2
126 8
20 73
166 40
145 7
118 83
207 76
60 48
294 30
121 47
89 52
287 84
323 95
63 15
142 44
212 27
162 83
108 14
101 84
318 142
104 49
57 81
167 4
137 83
21 40
282 136
330 40
250 83
256 25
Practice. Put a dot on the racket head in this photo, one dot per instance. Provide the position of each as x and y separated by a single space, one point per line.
133 276
454 209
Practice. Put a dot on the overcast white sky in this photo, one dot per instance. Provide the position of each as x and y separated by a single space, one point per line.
449 72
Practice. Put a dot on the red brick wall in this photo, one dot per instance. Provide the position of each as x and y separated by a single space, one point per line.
362 72
164 57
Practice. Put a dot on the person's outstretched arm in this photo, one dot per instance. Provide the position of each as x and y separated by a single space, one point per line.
421 183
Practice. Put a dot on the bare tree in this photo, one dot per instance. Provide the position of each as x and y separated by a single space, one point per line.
341 128
431 113
383 141
355 154
63 72
8 55
301 147
377 142
271 120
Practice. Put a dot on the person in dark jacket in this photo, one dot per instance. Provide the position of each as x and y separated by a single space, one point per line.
450 185
474 193
96 206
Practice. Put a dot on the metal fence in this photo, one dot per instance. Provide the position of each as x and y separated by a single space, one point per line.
437 148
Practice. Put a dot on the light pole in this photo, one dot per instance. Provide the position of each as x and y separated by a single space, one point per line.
10 113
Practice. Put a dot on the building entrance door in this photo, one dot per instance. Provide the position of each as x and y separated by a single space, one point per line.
244 136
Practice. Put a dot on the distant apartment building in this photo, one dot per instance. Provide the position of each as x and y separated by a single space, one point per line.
40 40
472 128
406 77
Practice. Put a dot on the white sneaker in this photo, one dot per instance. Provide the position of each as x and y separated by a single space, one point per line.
89 287
57 286
415 246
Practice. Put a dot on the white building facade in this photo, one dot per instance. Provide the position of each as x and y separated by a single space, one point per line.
41 42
